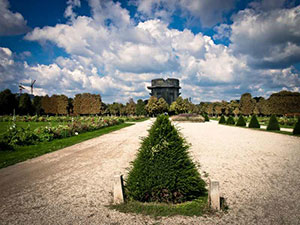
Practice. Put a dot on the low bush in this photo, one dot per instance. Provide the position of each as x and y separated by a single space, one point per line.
206 118
163 170
296 130
222 120
241 122
254 122
230 121
188 117
273 123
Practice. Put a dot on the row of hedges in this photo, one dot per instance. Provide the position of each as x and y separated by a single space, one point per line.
25 136
273 123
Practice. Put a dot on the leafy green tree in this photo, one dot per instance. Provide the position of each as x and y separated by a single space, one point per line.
37 105
8 102
152 106
86 104
222 120
162 106
163 170
140 108
230 121
296 130
247 104
254 122
241 122
130 107
25 105
273 123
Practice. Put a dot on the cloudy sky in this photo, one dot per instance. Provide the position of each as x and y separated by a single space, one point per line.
218 49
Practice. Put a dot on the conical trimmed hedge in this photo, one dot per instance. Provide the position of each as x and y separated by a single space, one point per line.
222 120
273 123
206 118
254 122
241 122
230 121
163 170
297 127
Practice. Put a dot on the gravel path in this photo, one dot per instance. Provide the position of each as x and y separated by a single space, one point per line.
259 174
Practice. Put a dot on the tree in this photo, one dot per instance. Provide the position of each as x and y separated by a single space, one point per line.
130 107
254 122
273 123
8 102
241 122
162 106
181 105
25 105
152 107
230 121
37 105
284 102
140 108
163 170
56 104
86 104
296 130
222 120
247 104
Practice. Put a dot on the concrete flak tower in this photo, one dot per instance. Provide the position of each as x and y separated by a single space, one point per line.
167 89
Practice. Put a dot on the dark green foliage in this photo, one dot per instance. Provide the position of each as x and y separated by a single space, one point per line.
241 122
37 105
140 108
254 122
206 118
8 102
297 127
163 170
230 121
25 105
222 120
273 123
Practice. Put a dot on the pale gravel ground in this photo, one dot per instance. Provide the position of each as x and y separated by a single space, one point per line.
259 174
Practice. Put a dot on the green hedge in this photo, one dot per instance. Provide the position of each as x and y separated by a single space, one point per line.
254 122
230 121
222 120
241 122
296 130
273 123
163 170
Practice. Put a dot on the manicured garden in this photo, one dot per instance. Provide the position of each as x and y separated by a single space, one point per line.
25 137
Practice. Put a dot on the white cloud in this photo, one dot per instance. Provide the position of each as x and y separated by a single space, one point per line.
269 39
11 23
112 55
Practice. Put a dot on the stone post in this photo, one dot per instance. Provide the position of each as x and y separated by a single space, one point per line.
118 189
214 195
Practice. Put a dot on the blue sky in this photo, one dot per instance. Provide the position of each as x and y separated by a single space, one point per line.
218 49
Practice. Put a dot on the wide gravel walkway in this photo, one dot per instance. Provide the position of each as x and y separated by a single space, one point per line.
259 174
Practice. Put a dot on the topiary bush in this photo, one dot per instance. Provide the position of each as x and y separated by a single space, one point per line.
296 130
230 121
206 118
163 170
241 122
273 123
254 122
222 120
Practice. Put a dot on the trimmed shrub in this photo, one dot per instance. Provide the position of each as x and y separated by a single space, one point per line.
163 170
297 127
206 118
222 120
254 122
241 122
273 123
230 121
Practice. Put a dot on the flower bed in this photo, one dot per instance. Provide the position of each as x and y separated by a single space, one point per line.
74 126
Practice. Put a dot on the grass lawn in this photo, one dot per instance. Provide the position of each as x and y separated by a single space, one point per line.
196 207
22 153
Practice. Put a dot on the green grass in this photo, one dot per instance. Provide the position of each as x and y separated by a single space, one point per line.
22 153
196 207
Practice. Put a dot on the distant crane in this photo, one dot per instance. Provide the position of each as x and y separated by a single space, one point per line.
31 85
21 88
